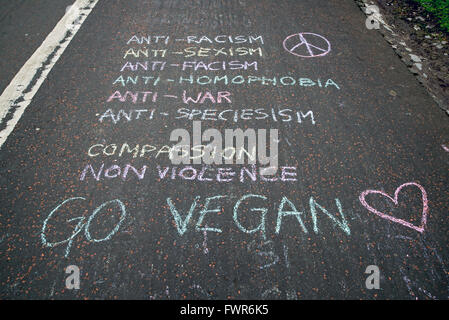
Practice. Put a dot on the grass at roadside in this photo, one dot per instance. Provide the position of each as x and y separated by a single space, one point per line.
440 9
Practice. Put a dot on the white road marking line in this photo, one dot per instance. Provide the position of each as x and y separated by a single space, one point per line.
19 93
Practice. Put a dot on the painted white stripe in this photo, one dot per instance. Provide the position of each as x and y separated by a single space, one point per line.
19 93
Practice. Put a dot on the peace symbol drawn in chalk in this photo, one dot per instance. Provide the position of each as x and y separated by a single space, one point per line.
307 45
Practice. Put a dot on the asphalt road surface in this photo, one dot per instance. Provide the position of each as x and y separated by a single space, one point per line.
86 177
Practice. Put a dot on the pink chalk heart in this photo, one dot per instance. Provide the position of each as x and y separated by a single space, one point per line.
395 200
